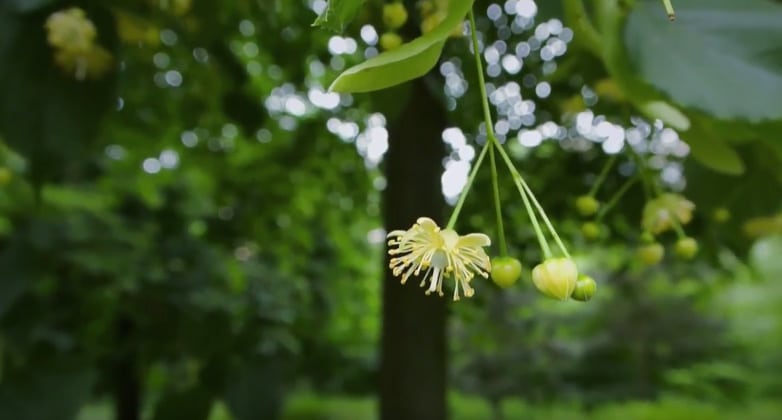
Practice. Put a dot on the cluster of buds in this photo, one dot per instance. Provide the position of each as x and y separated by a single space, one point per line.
73 37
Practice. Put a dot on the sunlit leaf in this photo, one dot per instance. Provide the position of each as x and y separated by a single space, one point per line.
338 14
720 56
407 62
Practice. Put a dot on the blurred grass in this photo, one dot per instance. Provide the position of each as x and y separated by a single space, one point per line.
318 407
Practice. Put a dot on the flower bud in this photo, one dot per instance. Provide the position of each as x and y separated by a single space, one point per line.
590 230
505 271
390 40
394 15
556 277
650 254
686 248
587 205
585 288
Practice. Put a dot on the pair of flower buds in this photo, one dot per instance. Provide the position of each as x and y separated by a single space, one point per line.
442 253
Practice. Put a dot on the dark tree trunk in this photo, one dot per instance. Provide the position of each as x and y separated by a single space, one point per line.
127 387
413 348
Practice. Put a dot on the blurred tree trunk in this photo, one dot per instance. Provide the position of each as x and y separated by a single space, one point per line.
127 387
413 348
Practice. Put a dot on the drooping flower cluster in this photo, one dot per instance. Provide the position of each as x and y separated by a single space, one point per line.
441 253
73 37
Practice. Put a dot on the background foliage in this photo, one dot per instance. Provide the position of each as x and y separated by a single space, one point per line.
198 232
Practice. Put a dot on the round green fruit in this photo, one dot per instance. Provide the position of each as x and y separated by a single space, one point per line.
585 289
390 40
587 205
686 247
721 215
394 15
505 271
590 230
650 254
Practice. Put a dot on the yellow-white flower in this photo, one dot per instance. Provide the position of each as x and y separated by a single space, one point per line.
442 253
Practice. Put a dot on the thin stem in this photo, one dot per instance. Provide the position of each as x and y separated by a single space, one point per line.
546 220
533 218
615 199
602 176
669 10
519 181
497 206
490 137
458 208
481 80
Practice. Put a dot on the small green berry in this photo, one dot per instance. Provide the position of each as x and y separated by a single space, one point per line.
650 254
556 277
394 15
591 230
721 215
585 288
505 271
587 205
686 247
390 40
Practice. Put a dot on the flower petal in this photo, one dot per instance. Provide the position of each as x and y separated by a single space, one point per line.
474 240
427 223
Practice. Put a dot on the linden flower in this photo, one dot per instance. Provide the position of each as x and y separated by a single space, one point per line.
70 30
658 213
92 64
442 253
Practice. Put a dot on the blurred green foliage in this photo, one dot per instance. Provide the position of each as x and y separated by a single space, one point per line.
177 237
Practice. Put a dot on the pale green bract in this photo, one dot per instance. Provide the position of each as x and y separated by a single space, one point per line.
411 60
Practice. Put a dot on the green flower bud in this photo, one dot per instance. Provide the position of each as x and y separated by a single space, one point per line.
505 271
686 248
587 205
556 277
394 15
721 215
590 230
390 40
650 254
585 288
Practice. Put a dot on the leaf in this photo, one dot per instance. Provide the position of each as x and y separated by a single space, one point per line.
52 390
14 276
719 56
409 61
193 403
256 391
338 14
667 114
712 151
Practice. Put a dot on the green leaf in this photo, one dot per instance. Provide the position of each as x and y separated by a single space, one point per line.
193 403
409 61
338 14
256 391
712 151
719 56
52 390
14 276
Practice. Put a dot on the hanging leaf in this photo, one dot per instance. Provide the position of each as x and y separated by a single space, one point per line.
409 61
720 56
338 14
